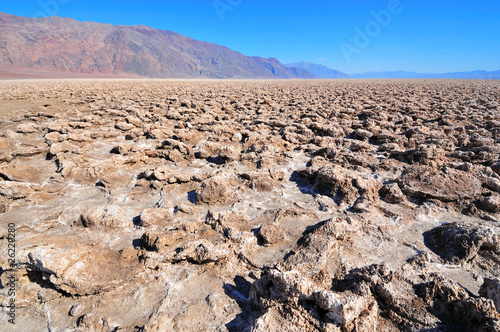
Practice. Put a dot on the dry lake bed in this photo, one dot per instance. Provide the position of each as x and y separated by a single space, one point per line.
170 205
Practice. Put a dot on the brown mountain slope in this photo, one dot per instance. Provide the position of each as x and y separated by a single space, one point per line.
63 45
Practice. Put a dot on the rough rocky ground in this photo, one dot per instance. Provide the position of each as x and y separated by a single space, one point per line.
251 205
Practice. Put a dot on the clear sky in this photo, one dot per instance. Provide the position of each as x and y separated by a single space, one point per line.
414 35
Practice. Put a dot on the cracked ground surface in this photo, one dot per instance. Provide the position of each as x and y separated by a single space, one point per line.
150 205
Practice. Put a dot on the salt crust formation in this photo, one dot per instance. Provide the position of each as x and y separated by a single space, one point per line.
251 205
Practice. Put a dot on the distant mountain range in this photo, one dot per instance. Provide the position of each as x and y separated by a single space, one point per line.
477 74
63 47
56 45
319 71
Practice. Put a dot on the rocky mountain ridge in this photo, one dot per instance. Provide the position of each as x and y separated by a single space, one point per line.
62 45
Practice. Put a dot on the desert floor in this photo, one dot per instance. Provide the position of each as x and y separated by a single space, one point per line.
156 205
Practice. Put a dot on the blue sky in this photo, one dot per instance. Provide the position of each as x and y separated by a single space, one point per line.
413 35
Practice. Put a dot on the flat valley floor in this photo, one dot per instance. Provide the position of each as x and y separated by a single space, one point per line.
318 205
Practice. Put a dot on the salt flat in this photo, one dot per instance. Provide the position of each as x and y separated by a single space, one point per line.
259 205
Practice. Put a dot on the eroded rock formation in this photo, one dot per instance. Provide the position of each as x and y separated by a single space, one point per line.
251 206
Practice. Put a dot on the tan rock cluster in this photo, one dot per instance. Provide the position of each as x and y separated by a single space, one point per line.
143 205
